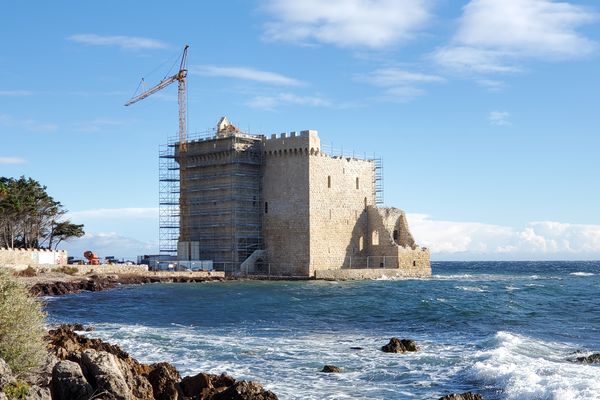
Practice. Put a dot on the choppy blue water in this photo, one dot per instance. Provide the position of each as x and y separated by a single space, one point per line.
504 329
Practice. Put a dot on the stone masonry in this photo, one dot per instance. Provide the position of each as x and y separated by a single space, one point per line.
304 211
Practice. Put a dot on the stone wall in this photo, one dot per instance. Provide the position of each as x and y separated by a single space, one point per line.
340 190
285 207
26 257
370 273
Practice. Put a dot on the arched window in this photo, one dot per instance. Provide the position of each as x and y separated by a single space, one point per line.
360 244
375 238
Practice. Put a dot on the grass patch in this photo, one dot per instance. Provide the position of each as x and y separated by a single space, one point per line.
65 269
17 390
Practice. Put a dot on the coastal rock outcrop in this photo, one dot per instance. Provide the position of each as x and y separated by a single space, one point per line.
400 346
591 359
90 367
69 383
462 396
95 283
331 369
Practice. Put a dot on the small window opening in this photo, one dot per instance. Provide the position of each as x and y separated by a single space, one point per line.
414 263
329 213
329 181
266 207
357 182
375 238
360 243
395 234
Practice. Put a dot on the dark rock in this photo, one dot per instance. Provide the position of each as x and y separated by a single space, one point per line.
400 346
69 383
245 390
193 386
463 396
331 369
591 359
164 379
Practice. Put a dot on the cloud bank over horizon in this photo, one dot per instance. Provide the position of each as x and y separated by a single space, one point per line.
537 240
447 240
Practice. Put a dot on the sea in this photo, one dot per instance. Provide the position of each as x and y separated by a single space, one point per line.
506 330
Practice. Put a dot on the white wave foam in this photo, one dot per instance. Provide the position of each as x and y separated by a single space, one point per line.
478 289
527 369
582 274
289 364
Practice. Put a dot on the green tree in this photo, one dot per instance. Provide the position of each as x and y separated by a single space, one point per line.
29 216
63 231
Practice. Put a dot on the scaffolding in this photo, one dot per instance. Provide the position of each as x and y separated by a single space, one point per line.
221 212
168 201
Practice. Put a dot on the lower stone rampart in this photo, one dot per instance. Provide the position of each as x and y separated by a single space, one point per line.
371 273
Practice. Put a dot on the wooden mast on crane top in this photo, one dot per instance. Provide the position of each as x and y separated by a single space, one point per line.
180 77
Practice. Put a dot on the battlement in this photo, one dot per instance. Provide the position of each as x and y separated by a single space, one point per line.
300 142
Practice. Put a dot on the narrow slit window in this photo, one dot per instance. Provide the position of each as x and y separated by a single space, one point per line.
375 238
266 207
395 234
357 182
329 181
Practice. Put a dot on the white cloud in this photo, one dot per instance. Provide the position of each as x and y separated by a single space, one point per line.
364 23
499 118
245 73
124 42
399 83
495 36
536 240
11 160
106 213
15 93
109 244
8 121
283 99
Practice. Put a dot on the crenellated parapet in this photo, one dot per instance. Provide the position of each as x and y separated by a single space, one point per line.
292 143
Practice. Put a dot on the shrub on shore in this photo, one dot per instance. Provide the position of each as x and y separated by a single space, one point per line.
21 326
27 272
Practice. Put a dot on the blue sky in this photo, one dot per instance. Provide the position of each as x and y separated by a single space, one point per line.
484 111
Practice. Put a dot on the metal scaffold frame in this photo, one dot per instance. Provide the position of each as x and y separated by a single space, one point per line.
222 198
168 198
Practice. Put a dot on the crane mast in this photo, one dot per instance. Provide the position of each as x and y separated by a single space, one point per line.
179 77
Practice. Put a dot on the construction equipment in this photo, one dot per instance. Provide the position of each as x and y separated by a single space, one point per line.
180 77
92 257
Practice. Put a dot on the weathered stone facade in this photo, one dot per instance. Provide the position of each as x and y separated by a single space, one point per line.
315 212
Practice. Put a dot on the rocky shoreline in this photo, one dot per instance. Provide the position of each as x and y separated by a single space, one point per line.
80 368
95 283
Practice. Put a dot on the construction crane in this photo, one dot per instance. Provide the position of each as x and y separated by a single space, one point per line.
181 96
179 77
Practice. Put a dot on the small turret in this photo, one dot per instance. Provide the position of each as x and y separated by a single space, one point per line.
226 128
